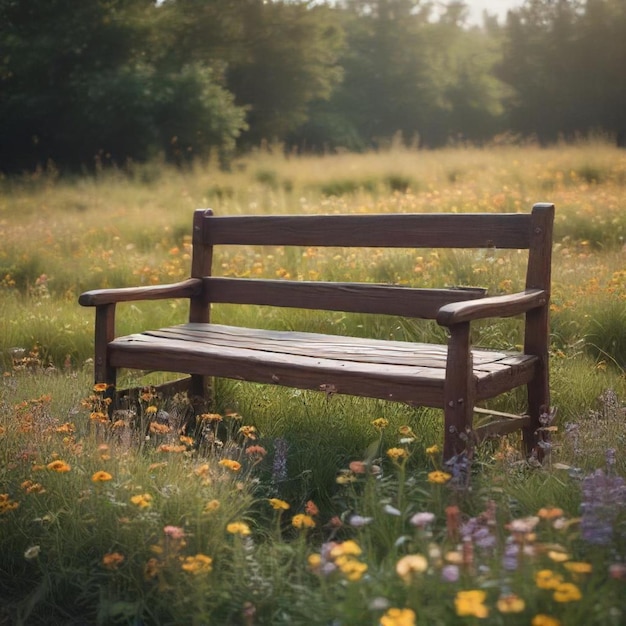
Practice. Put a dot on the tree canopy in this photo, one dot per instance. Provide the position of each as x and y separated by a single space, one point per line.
111 80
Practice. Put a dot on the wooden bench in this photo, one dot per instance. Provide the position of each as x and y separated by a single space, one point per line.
454 377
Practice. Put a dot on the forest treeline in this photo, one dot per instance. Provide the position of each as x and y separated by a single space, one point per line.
104 81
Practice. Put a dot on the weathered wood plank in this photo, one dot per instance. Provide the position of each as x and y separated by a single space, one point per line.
349 297
402 383
432 230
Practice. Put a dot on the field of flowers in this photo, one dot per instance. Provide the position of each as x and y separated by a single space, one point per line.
289 507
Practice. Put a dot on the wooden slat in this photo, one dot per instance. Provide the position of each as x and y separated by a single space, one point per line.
433 230
349 297
406 371
392 382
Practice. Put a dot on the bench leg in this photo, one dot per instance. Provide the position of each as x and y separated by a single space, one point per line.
538 391
104 333
458 393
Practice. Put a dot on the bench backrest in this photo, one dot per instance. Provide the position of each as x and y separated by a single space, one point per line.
531 231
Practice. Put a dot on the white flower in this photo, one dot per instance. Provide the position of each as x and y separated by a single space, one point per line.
358 521
32 552
391 510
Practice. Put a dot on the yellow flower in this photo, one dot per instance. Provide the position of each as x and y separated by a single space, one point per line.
249 432
233 466
31 487
351 568
211 505
510 603
238 528
197 565
407 431
59 466
6 504
409 565
380 423
143 500
278 505
345 478
398 617
211 417
101 477
545 620
567 592
395 454
547 579
345 548
112 560
558 556
471 603
579 567
432 450
151 409
314 561
438 477
302 520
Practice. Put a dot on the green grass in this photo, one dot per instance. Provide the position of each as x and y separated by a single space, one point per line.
78 551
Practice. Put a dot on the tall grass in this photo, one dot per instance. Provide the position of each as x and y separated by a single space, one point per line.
141 521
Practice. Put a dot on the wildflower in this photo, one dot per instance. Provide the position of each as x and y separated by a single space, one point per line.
432 450
66 428
380 423
174 532
156 466
567 592
159 429
101 477
98 416
238 528
233 466
358 521
471 603
422 519
143 500
547 579
151 410
59 466
112 560
578 567
278 504
558 556
409 565
550 513
617 571
358 467
603 498
351 568
302 520
395 454
315 562
31 487
438 477
345 478
398 617
450 573
510 603
211 417
249 432
279 465
310 508
197 565
391 510
259 451
32 552
407 431
544 620
211 505
100 387
345 548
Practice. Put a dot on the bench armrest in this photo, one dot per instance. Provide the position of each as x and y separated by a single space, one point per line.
184 289
496 306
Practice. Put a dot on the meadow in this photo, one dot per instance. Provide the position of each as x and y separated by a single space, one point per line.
307 509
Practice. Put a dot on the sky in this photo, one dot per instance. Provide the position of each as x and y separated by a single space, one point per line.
497 7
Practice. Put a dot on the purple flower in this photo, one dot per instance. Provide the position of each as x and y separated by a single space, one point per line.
604 497
450 573
422 519
279 466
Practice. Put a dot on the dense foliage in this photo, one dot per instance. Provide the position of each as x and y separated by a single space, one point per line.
113 80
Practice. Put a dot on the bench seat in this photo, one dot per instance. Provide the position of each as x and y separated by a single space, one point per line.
393 370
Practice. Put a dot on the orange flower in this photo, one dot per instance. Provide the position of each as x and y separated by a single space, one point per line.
302 521
112 560
59 466
101 477
310 508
